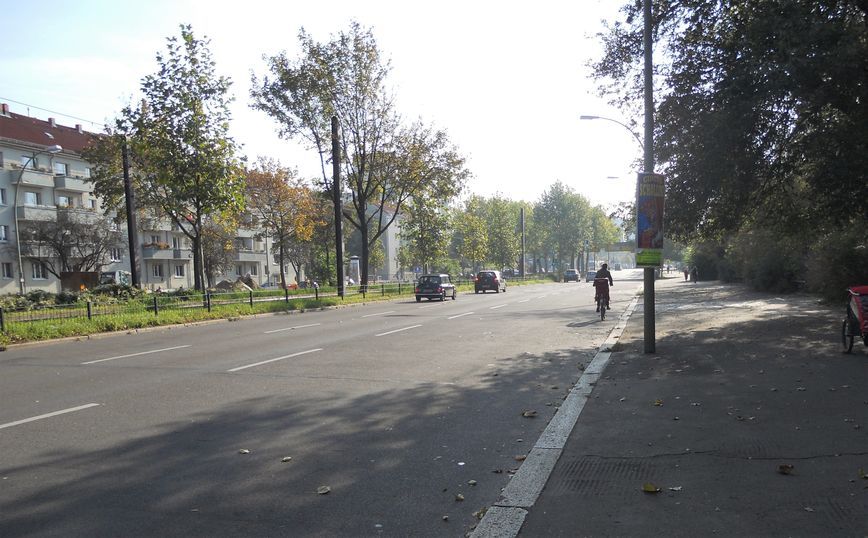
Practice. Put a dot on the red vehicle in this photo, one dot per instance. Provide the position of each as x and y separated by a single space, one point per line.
856 323
601 297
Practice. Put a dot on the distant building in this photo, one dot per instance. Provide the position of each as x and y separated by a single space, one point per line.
36 184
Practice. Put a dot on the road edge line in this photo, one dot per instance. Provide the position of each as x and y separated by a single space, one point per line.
506 517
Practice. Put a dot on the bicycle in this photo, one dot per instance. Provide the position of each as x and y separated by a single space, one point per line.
602 296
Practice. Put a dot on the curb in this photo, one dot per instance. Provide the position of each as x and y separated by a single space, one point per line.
505 518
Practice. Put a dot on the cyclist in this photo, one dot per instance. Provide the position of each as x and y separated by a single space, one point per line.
602 281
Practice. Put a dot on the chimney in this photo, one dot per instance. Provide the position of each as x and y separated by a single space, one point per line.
52 122
4 109
78 128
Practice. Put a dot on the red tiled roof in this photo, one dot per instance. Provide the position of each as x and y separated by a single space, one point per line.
16 127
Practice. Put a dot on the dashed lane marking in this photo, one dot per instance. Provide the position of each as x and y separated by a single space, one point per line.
293 328
136 354
275 359
399 330
48 415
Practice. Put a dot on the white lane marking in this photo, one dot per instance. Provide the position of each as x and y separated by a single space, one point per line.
136 354
379 314
498 306
526 300
292 328
275 359
399 330
48 415
430 305
460 315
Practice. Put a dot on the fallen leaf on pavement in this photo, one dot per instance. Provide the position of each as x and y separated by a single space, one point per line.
862 474
809 509
675 488
244 451
323 490
286 459
658 403
459 498
520 458
648 487
785 468
529 414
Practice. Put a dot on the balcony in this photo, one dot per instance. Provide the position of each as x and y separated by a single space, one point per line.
37 178
157 251
182 253
37 212
69 183
250 256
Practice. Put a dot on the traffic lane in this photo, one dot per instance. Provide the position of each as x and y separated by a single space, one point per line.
39 379
143 448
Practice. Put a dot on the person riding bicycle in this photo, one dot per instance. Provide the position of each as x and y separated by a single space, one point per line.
602 281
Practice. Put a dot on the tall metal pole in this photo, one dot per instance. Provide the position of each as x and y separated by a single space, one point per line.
521 265
649 326
336 194
130 198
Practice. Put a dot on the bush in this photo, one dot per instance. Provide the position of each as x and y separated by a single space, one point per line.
837 261
117 291
67 297
766 261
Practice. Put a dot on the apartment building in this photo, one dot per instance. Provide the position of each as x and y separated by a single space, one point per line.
40 181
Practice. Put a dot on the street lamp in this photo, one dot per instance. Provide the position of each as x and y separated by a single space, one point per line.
624 125
49 150
648 277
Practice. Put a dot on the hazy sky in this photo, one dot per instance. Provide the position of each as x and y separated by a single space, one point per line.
507 80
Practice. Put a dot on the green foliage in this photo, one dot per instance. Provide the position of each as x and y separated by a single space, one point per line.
837 261
766 262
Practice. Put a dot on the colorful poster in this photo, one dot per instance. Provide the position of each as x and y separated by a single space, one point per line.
649 218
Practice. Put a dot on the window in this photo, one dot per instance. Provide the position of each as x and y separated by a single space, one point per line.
2 196
155 239
4 233
39 271
115 254
64 201
7 270
32 198
158 270
176 244
87 172
179 271
239 270
254 269
92 203
60 169
28 162
1 159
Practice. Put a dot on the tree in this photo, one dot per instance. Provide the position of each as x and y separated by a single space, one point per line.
71 243
426 231
285 208
565 217
383 163
183 161
761 117
470 233
218 247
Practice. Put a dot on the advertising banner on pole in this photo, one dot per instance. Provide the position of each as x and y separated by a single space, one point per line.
649 219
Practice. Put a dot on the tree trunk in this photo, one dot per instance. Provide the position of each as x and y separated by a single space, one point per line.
282 270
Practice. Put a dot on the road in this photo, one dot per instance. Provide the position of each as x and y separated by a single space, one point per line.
410 414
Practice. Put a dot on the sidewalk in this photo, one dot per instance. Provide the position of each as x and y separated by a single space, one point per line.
748 418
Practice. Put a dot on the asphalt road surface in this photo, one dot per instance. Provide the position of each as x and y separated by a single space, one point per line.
388 419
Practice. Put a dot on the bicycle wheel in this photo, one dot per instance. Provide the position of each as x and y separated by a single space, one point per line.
846 337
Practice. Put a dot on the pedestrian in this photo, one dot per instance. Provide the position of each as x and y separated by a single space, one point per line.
694 274
686 272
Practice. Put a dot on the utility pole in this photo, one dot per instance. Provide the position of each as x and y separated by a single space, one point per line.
649 325
130 198
336 197
521 264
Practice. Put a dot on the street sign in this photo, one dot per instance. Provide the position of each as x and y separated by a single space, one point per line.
649 236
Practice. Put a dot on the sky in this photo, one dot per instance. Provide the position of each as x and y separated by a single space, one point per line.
506 80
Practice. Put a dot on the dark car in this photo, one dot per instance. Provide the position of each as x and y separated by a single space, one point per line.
489 280
571 275
435 286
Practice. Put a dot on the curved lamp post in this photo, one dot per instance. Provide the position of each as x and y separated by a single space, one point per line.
624 125
49 150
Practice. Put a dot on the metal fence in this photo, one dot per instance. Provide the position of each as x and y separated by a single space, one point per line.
157 303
